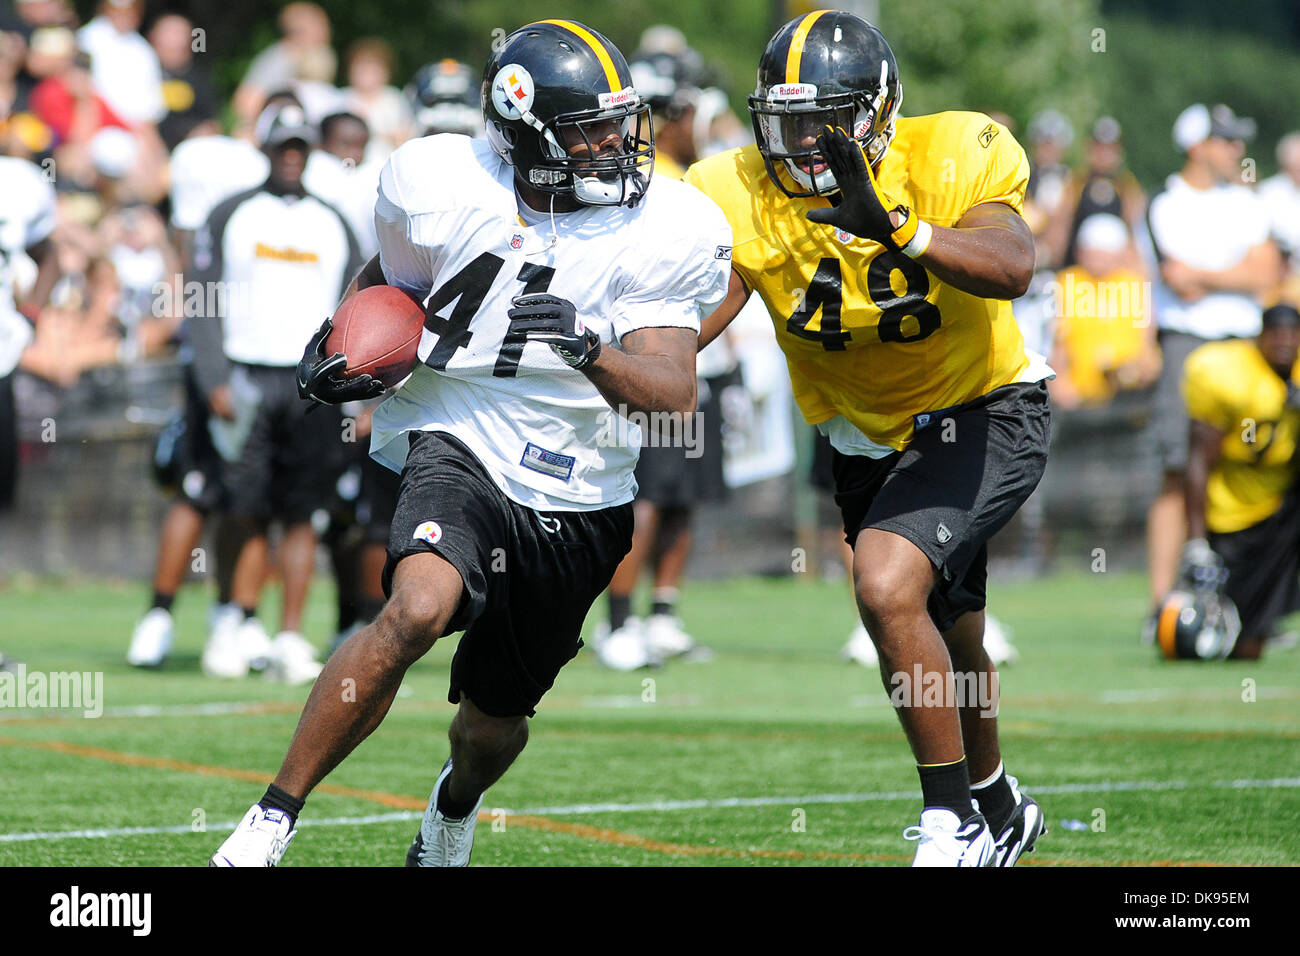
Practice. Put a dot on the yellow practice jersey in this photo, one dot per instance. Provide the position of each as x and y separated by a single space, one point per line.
1229 386
867 332
665 165
1103 325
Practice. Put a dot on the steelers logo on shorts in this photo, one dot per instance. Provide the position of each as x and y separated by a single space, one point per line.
428 531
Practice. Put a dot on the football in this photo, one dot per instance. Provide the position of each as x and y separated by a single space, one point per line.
378 329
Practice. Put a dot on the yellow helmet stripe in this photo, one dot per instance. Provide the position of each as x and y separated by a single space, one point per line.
611 73
797 43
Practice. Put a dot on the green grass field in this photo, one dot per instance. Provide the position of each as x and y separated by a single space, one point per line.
774 753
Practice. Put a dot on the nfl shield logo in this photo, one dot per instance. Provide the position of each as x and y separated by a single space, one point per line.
516 241
843 236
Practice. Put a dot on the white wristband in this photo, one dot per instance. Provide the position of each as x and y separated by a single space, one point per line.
920 240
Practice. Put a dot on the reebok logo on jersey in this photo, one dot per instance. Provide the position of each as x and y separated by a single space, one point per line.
722 252
428 531
942 533
987 134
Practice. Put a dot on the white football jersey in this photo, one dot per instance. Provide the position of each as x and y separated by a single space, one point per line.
27 215
451 232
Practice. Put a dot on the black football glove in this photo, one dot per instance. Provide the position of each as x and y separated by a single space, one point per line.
542 317
863 209
320 377
1201 569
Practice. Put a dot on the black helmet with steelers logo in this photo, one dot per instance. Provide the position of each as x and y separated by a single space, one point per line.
552 92
826 68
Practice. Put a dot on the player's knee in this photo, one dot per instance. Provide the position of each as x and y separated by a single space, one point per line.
412 620
884 592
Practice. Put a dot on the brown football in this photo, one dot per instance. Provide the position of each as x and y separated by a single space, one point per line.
378 329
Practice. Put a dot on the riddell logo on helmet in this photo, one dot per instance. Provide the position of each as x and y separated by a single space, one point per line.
623 97
793 91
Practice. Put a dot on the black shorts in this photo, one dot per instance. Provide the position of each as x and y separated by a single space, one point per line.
192 463
950 497
378 500
1263 563
529 576
288 467
688 472
8 443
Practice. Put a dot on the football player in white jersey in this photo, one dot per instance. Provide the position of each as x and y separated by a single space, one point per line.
563 289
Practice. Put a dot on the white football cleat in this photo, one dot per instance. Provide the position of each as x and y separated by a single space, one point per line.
441 841
997 643
223 657
293 660
945 841
255 644
625 649
223 615
665 637
260 839
861 648
151 641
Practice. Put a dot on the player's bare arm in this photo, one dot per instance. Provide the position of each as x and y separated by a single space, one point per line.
737 296
988 253
653 372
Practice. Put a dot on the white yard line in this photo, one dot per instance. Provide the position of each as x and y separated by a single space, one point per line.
670 805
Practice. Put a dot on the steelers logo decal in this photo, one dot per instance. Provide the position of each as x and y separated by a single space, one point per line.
512 91
428 531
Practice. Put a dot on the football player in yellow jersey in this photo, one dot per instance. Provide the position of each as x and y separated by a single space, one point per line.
886 250
1243 512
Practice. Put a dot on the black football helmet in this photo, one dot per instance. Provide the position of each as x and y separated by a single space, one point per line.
826 68
444 98
668 83
553 85
1197 624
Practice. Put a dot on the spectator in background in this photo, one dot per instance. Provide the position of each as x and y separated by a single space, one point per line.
209 167
66 100
369 95
1050 135
125 67
1105 336
1281 194
305 36
1104 186
339 173
1211 238
187 90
